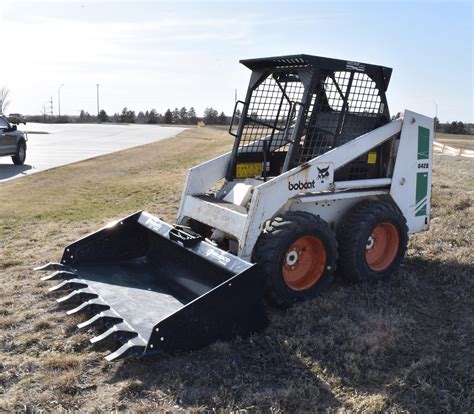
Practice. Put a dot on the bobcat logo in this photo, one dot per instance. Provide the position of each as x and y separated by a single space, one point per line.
323 173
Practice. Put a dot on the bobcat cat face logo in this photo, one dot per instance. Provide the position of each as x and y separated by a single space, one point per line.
323 173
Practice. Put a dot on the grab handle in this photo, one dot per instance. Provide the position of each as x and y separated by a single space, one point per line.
233 117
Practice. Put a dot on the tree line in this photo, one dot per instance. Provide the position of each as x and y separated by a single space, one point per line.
455 127
176 116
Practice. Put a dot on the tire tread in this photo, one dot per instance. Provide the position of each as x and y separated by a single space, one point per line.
353 228
276 233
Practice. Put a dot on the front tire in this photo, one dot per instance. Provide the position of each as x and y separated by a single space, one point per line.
298 255
20 156
373 240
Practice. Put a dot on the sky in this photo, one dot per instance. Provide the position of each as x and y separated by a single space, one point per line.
163 55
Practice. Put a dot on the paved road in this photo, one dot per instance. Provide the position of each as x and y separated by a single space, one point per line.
68 143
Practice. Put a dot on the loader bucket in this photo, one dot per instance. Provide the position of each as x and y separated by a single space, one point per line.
157 288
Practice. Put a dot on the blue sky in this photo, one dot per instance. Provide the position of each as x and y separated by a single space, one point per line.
159 55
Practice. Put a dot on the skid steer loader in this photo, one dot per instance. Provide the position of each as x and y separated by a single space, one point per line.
320 179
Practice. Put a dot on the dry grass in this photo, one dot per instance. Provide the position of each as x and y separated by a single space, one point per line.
403 345
455 140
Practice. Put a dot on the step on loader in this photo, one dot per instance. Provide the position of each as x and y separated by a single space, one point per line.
320 180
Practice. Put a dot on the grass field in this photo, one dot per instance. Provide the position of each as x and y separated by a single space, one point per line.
456 141
403 345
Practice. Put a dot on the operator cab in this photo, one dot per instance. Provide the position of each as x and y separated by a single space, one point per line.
300 106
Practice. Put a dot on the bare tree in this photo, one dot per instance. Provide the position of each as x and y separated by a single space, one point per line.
4 102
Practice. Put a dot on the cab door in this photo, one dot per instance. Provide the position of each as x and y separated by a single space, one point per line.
7 138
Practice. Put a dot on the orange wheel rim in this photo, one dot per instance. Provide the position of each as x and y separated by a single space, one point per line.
304 263
382 247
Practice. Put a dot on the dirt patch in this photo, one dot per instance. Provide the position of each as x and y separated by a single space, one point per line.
403 345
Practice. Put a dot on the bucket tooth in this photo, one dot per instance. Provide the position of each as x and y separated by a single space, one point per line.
77 295
69 284
121 329
52 266
86 306
59 274
132 347
105 316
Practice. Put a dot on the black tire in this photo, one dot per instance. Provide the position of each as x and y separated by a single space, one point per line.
360 257
273 255
20 156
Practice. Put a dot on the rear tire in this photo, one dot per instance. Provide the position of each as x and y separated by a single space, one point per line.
20 156
298 255
373 240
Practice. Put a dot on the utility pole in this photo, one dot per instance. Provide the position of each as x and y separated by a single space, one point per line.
59 100
436 117
51 106
97 102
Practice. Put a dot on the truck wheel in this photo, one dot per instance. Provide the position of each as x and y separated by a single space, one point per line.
298 255
372 241
20 156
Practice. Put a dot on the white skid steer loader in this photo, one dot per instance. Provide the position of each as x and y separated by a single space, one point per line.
320 180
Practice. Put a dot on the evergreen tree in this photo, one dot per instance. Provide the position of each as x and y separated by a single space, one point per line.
85 116
183 115
211 116
175 116
103 117
123 115
168 118
222 118
152 118
127 116
192 118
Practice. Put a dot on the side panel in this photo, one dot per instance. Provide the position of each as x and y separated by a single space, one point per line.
201 177
234 308
411 181
332 208
316 175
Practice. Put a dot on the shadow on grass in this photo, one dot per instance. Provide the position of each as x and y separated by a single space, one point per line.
258 373
397 344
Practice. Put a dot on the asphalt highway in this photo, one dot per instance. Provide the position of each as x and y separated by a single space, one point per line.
53 145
